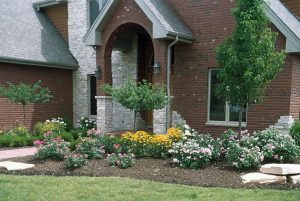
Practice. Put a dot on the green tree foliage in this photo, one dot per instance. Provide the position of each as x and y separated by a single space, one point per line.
142 96
248 58
25 94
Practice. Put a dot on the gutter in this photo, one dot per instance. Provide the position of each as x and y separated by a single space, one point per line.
48 3
168 82
39 63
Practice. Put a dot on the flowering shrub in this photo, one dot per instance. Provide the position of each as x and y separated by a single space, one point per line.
121 160
74 161
19 130
53 148
90 148
86 123
190 154
93 133
63 121
277 145
144 144
195 150
243 157
41 128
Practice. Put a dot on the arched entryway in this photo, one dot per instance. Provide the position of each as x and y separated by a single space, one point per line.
129 53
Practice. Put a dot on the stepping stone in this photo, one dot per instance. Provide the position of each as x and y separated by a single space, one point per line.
280 169
260 178
10 165
295 179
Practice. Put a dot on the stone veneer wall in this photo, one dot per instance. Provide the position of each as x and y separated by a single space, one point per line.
124 67
85 55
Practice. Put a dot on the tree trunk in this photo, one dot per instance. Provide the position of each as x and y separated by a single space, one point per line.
24 114
134 120
240 123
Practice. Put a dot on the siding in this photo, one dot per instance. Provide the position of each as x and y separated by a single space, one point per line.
59 17
293 5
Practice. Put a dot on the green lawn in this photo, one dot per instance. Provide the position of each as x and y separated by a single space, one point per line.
33 188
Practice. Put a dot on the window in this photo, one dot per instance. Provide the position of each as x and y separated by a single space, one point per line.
91 94
220 112
94 8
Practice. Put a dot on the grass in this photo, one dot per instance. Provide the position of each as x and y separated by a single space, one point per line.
15 188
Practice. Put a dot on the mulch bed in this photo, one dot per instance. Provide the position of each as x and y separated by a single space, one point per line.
213 175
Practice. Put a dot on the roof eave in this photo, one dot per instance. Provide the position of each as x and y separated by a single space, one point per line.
48 3
292 41
39 63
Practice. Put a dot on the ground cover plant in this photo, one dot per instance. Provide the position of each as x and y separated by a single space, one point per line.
23 188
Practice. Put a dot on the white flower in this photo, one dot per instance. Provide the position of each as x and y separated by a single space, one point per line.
186 126
175 160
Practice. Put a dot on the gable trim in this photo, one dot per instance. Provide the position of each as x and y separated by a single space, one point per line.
292 40
93 36
47 3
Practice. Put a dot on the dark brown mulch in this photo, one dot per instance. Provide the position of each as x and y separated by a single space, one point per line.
214 175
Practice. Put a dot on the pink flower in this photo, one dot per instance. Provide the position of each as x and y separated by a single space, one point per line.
48 133
276 156
117 146
38 142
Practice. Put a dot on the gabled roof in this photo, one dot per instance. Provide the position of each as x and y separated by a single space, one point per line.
29 37
286 22
166 23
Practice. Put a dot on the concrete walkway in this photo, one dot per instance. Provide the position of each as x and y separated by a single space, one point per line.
14 153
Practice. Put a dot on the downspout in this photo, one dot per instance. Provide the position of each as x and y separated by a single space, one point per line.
168 82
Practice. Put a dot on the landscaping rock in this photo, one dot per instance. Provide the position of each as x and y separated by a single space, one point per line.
9 165
260 178
294 179
280 169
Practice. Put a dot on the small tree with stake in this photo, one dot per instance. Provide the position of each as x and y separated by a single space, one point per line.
248 59
25 94
142 96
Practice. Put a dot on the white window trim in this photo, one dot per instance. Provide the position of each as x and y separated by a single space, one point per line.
89 95
225 123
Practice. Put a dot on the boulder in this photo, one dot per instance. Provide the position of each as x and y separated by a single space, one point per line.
9 165
260 178
280 169
294 179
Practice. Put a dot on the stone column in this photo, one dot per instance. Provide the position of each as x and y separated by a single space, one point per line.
159 121
104 113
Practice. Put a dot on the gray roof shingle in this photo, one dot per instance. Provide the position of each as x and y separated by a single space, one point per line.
28 36
168 18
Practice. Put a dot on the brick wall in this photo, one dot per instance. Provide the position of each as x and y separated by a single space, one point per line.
59 81
211 22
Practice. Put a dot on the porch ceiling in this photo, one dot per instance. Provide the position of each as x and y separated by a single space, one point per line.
166 23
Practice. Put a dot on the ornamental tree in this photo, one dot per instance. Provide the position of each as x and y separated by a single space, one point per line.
25 94
248 58
142 96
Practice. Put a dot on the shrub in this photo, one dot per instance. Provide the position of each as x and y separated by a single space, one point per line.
86 123
64 121
90 148
108 143
295 132
74 144
55 149
67 136
121 160
78 133
41 128
74 161
16 141
277 145
243 157
191 154
19 130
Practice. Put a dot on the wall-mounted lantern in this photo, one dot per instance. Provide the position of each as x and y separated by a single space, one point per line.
156 67
98 72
